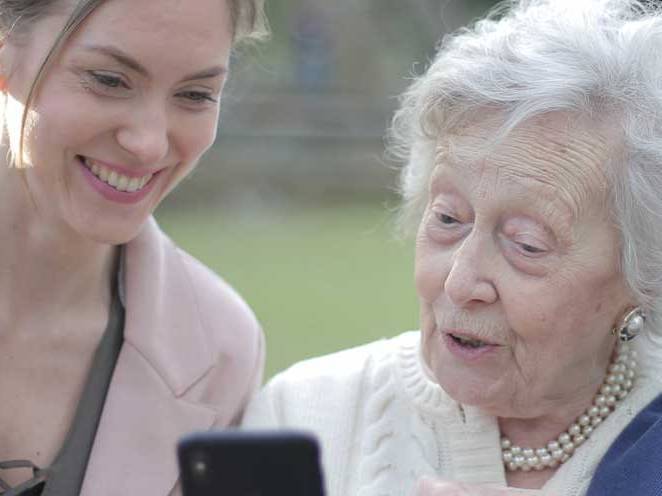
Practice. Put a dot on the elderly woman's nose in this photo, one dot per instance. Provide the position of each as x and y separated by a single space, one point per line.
145 135
467 281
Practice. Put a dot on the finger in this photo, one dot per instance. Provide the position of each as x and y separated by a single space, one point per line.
428 486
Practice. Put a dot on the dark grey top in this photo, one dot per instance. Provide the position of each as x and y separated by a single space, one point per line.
65 476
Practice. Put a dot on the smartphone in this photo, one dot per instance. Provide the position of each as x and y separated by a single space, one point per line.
250 463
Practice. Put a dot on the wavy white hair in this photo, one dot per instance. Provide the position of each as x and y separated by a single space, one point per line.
598 59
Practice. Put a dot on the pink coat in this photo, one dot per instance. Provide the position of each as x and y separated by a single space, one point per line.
192 357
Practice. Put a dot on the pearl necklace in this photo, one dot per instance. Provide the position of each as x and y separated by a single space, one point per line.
616 386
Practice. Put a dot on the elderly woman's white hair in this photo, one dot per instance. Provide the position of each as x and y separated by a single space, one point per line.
597 59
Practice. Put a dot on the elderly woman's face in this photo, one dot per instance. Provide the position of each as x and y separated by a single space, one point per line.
517 269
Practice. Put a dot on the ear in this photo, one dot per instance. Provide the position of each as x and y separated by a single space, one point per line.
8 57
3 66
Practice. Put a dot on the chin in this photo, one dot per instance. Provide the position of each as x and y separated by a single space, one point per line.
111 232
467 388
466 392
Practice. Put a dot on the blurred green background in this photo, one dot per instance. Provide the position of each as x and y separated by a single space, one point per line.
294 203
319 278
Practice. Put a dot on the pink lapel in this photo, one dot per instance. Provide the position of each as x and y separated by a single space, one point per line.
165 352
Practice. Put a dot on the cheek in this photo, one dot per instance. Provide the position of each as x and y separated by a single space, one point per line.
431 268
59 123
568 310
189 145
430 344
534 306
192 138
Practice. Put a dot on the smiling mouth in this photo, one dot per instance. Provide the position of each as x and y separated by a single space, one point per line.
115 180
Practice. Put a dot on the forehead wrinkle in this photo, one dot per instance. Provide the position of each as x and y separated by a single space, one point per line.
552 207
568 163
543 182
567 151
490 172
492 183
492 180
526 191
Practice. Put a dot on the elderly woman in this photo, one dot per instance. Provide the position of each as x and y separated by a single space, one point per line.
113 342
534 170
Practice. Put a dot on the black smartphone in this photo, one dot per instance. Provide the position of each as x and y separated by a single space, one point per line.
250 463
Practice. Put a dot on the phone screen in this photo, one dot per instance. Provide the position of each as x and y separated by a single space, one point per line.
250 463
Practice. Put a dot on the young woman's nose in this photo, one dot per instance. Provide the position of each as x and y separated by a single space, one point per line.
145 135
467 281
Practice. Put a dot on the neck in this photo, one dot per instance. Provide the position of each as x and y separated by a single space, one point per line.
560 414
47 268
537 432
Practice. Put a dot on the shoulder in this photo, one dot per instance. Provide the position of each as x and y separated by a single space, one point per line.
329 383
190 324
231 325
343 365
224 315
219 303
345 399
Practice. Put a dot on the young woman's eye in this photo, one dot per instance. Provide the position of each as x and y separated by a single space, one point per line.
108 80
197 96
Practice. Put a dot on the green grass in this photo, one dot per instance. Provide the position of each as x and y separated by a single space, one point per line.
319 279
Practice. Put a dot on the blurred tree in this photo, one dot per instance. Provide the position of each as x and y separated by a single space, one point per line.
356 45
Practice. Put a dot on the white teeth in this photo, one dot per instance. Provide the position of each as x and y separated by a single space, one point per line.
118 181
122 182
133 185
112 179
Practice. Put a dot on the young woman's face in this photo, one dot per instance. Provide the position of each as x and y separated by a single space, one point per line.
123 114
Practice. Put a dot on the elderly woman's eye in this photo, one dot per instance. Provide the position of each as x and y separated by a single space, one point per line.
447 219
534 250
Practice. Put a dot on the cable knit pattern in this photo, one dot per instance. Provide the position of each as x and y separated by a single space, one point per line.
426 393
375 466
401 442
383 423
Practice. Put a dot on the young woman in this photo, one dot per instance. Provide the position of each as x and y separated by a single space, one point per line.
113 342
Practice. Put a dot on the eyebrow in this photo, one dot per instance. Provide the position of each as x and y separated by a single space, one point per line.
128 61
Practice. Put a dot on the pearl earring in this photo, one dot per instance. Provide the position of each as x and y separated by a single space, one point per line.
630 325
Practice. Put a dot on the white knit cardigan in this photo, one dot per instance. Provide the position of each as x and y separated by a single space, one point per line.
383 424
